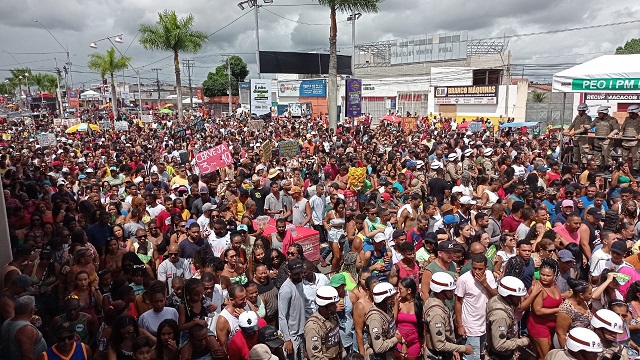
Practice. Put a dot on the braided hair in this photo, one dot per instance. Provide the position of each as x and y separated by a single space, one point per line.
515 267
550 263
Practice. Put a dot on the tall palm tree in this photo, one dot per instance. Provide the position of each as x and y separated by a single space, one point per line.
19 77
109 63
349 7
45 82
174 34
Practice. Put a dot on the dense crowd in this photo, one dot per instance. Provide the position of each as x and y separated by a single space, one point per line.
453 244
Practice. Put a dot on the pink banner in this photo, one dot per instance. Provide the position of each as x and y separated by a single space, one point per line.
214 159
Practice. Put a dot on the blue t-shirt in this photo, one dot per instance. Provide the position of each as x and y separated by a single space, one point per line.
551 208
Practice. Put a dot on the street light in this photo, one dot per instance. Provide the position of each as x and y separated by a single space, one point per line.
118 39
256 7
353 17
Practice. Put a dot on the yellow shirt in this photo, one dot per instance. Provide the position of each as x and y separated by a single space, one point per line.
180 181
240 210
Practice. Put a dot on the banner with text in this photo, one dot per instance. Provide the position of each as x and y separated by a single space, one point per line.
353 98
409 124
260 96
466 95
47 139
121 126
213 159
289 148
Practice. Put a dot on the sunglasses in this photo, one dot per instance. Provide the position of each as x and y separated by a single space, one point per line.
292 253
138 266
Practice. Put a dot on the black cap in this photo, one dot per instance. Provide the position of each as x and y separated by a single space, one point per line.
270 336
398 233
295 266
595 213
619 246
431 237
446 246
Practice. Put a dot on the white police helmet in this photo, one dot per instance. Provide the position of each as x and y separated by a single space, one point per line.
603 109
510 285
326 295
583 107
607 319
633 109
442 281
581 339
382 291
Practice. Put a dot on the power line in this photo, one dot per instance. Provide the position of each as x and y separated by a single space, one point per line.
229 24
299 22
559 30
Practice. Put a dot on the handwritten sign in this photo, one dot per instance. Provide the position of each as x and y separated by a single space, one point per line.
121 126
46 139
214 159
147 118
409 124
266 151
105 125
255 124
475 126
289 148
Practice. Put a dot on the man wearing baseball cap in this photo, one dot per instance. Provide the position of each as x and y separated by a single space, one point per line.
271 337
443 262
344 308
66 346
241 343
291 310
619 265
566 262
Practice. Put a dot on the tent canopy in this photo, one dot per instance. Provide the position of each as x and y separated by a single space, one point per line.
519 124
89 95
608 73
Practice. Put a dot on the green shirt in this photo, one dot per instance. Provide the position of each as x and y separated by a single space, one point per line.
467 266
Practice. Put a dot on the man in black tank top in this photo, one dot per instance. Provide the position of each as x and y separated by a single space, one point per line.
591 222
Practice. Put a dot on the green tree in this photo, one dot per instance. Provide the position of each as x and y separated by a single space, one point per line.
6 88
239 69
538 96
45 82
217 83
109 63
349 7
19 77
630 47
174 34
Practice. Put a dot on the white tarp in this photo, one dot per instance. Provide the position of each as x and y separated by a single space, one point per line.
609 73
90 95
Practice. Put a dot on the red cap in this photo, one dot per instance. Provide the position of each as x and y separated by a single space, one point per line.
56 163
385 196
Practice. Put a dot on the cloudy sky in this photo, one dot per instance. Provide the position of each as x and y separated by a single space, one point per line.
289 25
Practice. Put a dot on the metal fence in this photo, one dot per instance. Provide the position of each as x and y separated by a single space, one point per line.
550 110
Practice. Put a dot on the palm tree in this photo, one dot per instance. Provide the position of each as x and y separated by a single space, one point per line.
109 63
349 7
538 96
18 78
174 34
45 82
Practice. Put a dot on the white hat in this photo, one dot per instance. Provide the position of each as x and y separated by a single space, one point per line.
468 152
603 109
89 170
510 285
467 200
261 352
580 339
326 295
442 281
488 152
61 182
457 189
452 156
379 237
607 319
419 164
248 321
436 165
382 291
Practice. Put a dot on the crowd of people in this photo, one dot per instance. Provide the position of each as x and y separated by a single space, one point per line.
453 244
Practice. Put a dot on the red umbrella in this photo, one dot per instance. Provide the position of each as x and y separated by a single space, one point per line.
392 118
465 126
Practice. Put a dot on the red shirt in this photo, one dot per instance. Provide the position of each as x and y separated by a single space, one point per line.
510 224
239 346
163 221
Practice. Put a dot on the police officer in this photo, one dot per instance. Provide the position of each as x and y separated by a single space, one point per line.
605 126
582 344
502 328
487 164
439 337
435 166
580 126
607 325
452 174
468 165
321 331
383 335
631 128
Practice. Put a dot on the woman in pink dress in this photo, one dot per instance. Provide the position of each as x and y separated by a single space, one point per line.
407 305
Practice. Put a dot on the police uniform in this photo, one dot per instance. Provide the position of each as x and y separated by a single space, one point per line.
580 144
607 126
630 128
559 354
322 338
469 167
616 350
382 330
489 168
452 172
502 330
439 339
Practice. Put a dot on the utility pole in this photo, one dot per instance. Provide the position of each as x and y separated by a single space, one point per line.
353 17
59 96
189 64
158 85
229 81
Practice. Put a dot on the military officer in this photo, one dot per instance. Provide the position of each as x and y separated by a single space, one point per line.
468 165
607 325
322 331
487 164
452 174
582 344
435 166
439 337
605 126
631 128
580 126
383 335
502 329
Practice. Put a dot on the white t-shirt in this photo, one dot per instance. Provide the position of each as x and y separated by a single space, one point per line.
310 292
474 302
219 245
150 319
597 257
168 270
522 231
505 257
155 211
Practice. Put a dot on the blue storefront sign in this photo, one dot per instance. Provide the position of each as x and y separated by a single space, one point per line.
313 88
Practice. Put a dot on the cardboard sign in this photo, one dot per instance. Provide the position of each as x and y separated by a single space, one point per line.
289 148
105 125
147 118
214 159
121 126
266 151
46 139
255 125
409 124
475 126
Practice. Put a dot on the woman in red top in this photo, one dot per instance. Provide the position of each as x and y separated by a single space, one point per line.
542 321
408 267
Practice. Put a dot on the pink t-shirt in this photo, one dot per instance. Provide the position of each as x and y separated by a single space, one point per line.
570 237
474 302
627 269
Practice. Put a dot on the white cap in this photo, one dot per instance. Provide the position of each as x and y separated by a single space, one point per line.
468 152
382 291
452 156
379 237
581 339
510 285
607 319
467 200
633 109
488 152
436 165
603 109
326 295
457 189
248 321
442 281
61 182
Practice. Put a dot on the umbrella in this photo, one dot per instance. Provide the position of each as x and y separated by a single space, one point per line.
82 127
166 111
392 118
465 125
